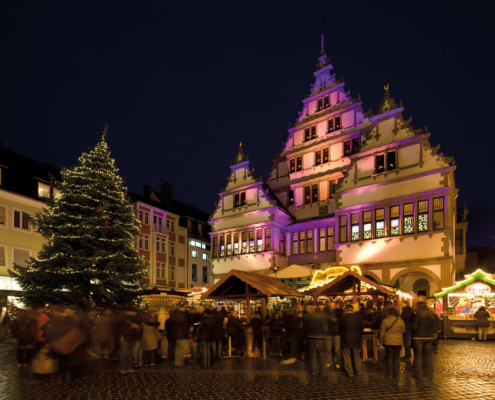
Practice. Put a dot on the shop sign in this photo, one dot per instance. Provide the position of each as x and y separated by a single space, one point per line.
478 288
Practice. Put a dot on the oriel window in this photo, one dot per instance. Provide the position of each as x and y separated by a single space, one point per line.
330 125
318 157
307 195
243 198
236 243
355 227
380 163
320 104
322 239
394 221
244 242
222 246
391 165
367 225
306 135
423 216
327 102
314 190
299 163
337 123
438 211
408 218
380 222
282 242
325 155
291 197
236 200
309 238
313 132
259 240
229 245
292 167
330 238
295 243
343 229
268 239
347 148
302 242
251 242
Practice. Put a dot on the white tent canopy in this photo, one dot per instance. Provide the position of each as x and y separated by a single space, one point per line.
294 271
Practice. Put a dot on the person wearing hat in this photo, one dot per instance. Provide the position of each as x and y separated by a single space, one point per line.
351 328
392 330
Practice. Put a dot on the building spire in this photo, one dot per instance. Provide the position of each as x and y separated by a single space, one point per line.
241 157
323 23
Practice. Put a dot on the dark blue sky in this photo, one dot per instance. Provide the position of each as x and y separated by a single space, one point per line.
180 83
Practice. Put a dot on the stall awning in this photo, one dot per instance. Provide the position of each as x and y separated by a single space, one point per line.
470 278
294 271
241 284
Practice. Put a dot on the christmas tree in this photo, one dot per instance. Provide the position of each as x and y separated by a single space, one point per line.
89 258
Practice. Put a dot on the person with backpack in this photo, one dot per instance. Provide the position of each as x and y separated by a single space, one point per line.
392 331
423 328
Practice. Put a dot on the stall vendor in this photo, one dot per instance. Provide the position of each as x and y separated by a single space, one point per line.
468 309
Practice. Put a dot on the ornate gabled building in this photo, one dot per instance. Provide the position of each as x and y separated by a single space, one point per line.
348 188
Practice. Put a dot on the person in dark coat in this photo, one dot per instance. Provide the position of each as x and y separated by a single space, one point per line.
179 320
351 328
24 329
315 325
130 329
234 330
407 316
257 326
218 334
287 319
339 311
482 322
276 332
423 328
168 335
206 330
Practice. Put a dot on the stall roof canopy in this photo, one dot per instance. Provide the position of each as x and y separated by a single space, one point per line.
240 284
345 282
470 278
294 271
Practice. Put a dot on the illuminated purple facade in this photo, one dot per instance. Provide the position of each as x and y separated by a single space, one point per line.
348 188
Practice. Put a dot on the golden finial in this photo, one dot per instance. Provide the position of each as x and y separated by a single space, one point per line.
105 130
386 86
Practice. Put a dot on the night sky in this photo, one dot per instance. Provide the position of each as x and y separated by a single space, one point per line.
181 82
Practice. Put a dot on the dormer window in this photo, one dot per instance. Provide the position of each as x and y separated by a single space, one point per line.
43 190
327 102
386 162
243 199
380 163
391 161
325 155
318 157
237 201
299 163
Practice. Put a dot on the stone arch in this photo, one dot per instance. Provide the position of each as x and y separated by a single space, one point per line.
426 271
372 275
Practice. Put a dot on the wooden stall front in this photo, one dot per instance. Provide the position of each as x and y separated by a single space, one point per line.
456 306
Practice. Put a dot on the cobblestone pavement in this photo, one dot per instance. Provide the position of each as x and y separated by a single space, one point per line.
463 370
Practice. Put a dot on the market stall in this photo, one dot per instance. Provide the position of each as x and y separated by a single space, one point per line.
457 305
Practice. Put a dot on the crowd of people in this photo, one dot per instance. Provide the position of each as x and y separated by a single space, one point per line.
330 334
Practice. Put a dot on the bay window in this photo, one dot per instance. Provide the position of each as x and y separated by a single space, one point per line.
295 244
438 213
322 239
309 238
330 238
394 221
229 244
343 229
355 227
408 218
236 243
222 246
259 240
367 225
380 222
282 243
251 242
268 239
423 216
244 242
302 242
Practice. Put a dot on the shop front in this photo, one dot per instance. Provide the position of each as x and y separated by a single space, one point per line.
457 305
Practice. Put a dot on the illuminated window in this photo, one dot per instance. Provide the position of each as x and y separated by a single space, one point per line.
160 244
243 198
347 148
313 132
322 239
423 216
309 238
268 239
367 225
229 245
380 163
295 243
330 125
244 242
3 216
343 229
282 242
259 240
327 102
203 246
236 243
222 246
194 269
205 256
21 257
320 104
237 201
408 218
394 221
56 193
330 238
215 247
160 270
337 123
291 197
292 165
251 242
380 223
299 163
355 227
172 273
43 190
438 213
307 135
307 195
302 242
314 190
325 155
318 157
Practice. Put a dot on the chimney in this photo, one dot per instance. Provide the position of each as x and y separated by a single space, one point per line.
166 194
146 191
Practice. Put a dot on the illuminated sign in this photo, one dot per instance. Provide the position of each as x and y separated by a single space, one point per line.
478 288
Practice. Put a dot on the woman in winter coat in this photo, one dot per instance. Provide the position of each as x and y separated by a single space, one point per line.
150 341
391 332
482 322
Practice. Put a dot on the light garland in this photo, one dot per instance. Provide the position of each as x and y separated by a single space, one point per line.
478 274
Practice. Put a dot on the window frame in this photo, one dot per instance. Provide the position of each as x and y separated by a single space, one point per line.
411 216
378 220
194 253
171 273
355 227
295 243
438 211
13 248
318 157
5 255
343 226
194 272
369 232
299 164
398 219
21 216
421 223
5 215
290 195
